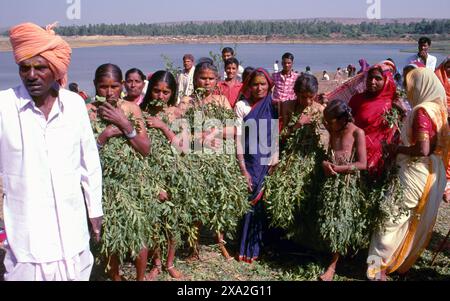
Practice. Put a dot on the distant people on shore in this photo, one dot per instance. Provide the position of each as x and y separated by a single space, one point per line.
351 70
135 84
228 53
338 76
75 88
185 79
325 75
275 67
285 79
308 70
423 56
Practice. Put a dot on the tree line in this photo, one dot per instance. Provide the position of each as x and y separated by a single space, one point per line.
316 28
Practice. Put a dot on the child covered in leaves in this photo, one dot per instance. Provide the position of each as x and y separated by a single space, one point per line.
341 200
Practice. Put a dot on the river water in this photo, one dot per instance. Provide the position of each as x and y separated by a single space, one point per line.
149 58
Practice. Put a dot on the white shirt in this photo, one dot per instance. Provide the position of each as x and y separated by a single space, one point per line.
241 110
275 67
44 164
326 77
431 61
185 84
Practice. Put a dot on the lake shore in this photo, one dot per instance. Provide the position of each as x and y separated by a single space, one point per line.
101 41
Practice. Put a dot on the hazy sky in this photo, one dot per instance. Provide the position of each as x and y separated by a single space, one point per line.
134 11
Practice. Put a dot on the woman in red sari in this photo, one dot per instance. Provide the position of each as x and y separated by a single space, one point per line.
368 109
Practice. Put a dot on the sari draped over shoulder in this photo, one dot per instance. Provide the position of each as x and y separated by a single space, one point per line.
257 148
423 179
368 113
260 124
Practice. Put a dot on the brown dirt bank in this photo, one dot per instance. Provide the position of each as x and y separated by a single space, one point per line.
98 41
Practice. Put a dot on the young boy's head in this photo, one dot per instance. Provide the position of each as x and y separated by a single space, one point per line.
231 68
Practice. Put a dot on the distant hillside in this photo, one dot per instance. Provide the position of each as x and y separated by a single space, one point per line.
327 28
308 28
345 21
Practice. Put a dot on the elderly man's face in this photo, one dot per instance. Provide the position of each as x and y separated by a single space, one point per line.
36 76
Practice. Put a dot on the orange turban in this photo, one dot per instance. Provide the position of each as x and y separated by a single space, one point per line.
29 40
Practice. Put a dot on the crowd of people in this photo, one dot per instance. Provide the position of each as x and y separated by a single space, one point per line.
58 166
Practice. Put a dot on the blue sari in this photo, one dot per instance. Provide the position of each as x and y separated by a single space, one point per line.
257 153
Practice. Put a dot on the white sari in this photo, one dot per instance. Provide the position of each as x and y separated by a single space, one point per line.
402 241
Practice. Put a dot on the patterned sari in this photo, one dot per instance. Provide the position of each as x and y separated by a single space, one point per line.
423 179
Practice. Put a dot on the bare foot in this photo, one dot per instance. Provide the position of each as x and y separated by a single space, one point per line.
328 275
153 274
174 273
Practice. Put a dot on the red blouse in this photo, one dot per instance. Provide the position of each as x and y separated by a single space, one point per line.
424 124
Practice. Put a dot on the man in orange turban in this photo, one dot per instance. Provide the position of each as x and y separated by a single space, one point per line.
29 40
49 164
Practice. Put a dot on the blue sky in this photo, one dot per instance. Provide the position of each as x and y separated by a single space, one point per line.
150 11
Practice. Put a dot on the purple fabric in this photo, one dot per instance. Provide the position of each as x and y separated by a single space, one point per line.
255 162
364 66
251 236
252 233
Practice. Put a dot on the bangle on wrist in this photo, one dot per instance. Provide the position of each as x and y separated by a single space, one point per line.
99 146
132 134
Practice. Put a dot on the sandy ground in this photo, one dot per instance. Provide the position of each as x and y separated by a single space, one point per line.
97 41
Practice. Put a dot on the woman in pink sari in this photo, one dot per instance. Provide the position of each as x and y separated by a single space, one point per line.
368 109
